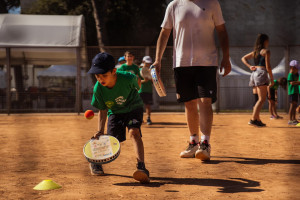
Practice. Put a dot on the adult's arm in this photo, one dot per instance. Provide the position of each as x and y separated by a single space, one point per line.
224 42
161 46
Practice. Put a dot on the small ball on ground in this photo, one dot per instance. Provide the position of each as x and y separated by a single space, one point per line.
89 114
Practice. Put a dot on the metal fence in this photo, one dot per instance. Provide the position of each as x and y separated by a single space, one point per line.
30 93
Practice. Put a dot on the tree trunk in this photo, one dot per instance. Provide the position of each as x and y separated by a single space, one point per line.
98 29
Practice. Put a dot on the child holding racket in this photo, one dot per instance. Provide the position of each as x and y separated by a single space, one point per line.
116 96
293 91
146 88
259 77
129 66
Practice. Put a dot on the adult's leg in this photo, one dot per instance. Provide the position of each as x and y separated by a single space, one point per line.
206 115
192 117
135 136
262 94
271 108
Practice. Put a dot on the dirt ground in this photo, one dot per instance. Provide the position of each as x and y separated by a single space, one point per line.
247 162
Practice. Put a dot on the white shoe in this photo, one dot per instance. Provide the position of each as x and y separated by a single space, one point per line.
203 152
190 151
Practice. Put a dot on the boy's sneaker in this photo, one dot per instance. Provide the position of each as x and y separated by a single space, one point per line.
293 122
260 123
141 174
190 150
203 152
273 117
149 122
279 117
96 169
256 123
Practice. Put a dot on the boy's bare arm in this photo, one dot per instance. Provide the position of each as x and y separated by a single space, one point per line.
295 82
102 116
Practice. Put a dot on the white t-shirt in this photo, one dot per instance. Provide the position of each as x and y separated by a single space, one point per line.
193 23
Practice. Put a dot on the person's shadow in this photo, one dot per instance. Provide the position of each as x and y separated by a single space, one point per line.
249 161
233 185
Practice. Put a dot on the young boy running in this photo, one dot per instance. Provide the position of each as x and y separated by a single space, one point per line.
293 91
116 96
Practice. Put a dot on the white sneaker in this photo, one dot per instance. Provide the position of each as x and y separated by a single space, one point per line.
203 152
190 151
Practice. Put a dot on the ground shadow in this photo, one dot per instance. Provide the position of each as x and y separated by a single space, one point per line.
233 185
250 161
168 123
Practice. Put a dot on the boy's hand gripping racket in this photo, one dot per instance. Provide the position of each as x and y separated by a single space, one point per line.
103 150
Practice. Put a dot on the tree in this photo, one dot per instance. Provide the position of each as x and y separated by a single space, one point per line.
6 5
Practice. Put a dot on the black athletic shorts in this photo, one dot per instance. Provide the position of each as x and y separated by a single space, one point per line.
294 98
117 123
272 93
147 98
195 82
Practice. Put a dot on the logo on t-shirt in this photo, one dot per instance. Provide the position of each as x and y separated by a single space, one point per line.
131 71
120 100
109 104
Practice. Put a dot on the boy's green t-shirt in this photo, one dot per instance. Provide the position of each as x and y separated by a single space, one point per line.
134 69
292 89
146 87
122 98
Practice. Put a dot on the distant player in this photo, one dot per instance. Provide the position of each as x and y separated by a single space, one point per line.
259 77
272 96
116 96
129 66
121 61
293 91
146 89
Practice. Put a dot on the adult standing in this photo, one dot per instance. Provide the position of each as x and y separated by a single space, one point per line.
195 64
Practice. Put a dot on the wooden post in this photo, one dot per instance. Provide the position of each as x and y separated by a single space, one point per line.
8 81
78 80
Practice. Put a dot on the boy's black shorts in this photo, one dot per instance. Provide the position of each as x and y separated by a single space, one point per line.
294 98
195 82
117 123
272 94
147 98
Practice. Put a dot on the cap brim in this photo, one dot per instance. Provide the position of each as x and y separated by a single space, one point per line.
97 71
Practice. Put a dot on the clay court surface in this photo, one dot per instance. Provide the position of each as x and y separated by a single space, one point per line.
247 162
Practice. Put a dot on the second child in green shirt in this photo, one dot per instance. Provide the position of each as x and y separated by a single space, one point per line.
146 89
129 66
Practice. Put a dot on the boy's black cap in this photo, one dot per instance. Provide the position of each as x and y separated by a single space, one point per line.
101 63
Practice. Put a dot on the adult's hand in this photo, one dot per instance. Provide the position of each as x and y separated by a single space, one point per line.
226 66
157 65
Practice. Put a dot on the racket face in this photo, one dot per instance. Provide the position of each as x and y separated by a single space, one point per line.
145 73
102 151
159 86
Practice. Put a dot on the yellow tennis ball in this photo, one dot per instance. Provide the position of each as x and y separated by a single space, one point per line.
89 114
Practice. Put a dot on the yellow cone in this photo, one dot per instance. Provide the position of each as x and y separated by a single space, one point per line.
298 124
47 185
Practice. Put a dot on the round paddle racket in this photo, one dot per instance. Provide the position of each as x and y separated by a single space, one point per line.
103 150
145 73
158 84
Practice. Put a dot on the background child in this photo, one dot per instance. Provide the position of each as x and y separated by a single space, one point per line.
129 66
272 96
259 77
117 93
121 61
293 91
146 89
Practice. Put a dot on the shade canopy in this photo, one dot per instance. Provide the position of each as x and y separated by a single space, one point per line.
42 39
60 71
